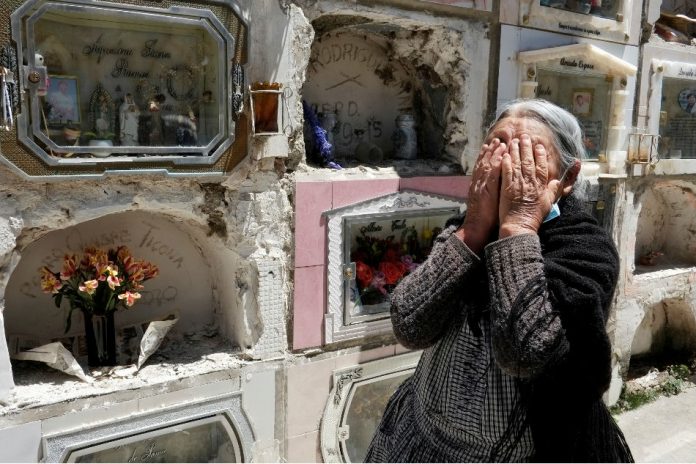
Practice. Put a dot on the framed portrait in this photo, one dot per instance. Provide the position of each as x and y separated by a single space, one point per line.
62 101
582 102
687 100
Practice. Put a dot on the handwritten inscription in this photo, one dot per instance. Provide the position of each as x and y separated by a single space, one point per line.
162 248
158 296
346 52
398 224
149 51
544 91
121 69
573 63
687 72
99 50
371 227
578 29
149 455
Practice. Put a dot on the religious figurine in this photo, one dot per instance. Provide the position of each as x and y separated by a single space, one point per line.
129 115
404 137
101 115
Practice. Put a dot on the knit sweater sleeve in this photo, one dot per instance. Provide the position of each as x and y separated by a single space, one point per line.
423 304
551 295
523 337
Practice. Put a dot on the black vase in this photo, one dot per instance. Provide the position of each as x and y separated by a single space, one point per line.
101 339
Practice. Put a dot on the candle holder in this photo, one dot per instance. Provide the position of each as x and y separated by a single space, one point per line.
267 108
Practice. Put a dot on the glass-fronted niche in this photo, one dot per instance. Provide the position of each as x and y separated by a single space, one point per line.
601 8
383 249
587 97
677 123
212 439
373 245
126 83
356 405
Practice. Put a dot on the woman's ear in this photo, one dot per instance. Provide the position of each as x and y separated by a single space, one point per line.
570 178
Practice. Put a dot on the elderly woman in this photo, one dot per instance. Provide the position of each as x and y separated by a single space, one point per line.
510 308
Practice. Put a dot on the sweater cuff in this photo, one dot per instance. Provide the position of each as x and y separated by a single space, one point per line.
513 261
459 251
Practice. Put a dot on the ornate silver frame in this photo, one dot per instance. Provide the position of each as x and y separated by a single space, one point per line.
334 431
57 447
338 327
28 127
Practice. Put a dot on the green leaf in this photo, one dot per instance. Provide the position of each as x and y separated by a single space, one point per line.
69 319
59 299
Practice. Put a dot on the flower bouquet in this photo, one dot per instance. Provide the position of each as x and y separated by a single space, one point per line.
381 263
100 283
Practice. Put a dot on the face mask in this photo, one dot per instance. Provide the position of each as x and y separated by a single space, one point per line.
555 210
554 213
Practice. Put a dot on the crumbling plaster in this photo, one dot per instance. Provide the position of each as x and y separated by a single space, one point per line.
241 222
652 214
424 41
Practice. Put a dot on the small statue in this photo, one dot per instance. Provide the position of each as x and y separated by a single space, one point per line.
129 115
404 138
367 152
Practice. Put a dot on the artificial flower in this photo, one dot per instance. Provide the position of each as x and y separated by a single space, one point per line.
51 284
363 273
69 267
98 282
130 297
89 286
393 271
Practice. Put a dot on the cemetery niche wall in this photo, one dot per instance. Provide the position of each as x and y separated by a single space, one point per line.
120 87
398 91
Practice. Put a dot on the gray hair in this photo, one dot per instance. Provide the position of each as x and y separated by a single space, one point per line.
565 129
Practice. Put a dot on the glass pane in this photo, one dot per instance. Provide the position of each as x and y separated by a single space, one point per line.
587 97
365 411
678 119
602 8
207 440
384 252
128 80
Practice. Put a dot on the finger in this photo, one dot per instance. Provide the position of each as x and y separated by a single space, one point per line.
527 159
506 171
494 163
540 160
553 190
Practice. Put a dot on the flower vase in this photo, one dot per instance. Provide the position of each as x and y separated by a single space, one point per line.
101 339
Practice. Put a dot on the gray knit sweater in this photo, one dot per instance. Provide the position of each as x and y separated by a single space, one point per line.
464 391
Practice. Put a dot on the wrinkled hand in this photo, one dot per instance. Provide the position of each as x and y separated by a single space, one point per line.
526 195
484 197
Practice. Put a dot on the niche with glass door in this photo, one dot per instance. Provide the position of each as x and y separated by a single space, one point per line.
112 83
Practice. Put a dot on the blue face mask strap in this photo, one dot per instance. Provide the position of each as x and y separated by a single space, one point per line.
555 210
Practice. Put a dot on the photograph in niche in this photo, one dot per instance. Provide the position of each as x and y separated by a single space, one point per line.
687 100
582 102
62 101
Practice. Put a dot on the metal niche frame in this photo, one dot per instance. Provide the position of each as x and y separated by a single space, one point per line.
59 447
334 428
339 324
168 160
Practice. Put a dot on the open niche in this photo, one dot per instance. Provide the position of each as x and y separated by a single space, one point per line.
200 342
665 240
390 93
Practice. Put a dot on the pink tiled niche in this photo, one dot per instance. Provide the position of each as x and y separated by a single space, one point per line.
312 198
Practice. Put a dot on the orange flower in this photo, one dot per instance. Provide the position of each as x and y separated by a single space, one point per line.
89 286
51 284
69 267
123 253
151 271
130 297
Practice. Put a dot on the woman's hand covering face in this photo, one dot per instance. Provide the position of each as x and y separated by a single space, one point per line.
526 195
484 196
